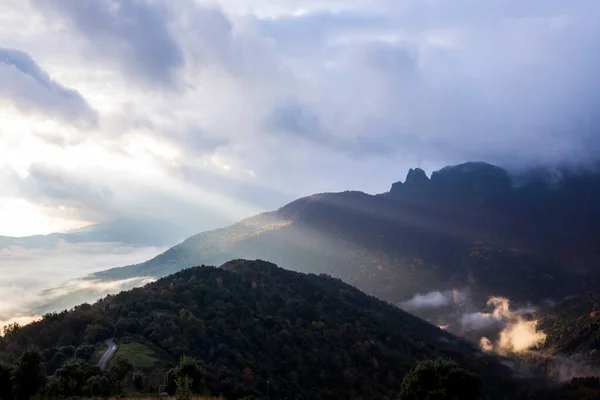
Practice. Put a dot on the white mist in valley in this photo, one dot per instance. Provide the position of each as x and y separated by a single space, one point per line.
496 327
28 275
517 334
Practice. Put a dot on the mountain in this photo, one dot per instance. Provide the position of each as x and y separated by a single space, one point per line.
256 329
133 231
137 231
529 237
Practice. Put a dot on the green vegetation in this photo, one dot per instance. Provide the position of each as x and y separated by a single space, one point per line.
136 353
440 380
28 375
573 327
186 378
248 328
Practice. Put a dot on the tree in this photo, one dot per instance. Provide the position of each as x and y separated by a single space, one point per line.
440 380
85 352
5 382
98 386
138 380
68 338
184 388
29 375
119 368
10 329
187 367
58 359
70 379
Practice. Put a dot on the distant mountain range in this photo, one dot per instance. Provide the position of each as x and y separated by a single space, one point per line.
143 232
531 237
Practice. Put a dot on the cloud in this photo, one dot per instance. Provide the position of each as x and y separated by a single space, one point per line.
25 85
429 300
67 192
480 321
96 287
132 34
496 327
303 98
515 332
126 204
437 86
26 272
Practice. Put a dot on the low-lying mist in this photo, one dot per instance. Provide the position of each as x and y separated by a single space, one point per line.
496 327
28 276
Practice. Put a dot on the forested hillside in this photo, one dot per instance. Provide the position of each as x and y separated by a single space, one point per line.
573 327
255 329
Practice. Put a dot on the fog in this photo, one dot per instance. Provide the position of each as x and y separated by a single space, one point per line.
27 275
493 326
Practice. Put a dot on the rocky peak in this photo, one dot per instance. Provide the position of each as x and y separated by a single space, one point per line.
416 178
474 180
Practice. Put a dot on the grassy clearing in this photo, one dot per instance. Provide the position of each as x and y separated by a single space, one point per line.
138 354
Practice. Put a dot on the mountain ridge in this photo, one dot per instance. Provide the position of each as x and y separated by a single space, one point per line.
133 231
472 225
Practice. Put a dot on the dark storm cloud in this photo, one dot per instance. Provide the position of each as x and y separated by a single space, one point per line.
131 33
301 122
298 120
513 85
29 88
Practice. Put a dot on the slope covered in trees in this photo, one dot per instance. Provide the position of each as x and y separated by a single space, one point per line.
254 329
573 327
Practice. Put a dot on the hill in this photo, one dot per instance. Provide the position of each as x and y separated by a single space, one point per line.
573 327
529 237
256 329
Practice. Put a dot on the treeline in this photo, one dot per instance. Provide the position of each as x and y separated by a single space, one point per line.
441 378
27 378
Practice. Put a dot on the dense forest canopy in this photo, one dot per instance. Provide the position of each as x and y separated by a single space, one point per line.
256 328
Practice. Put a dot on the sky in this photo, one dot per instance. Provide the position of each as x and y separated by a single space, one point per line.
202 113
